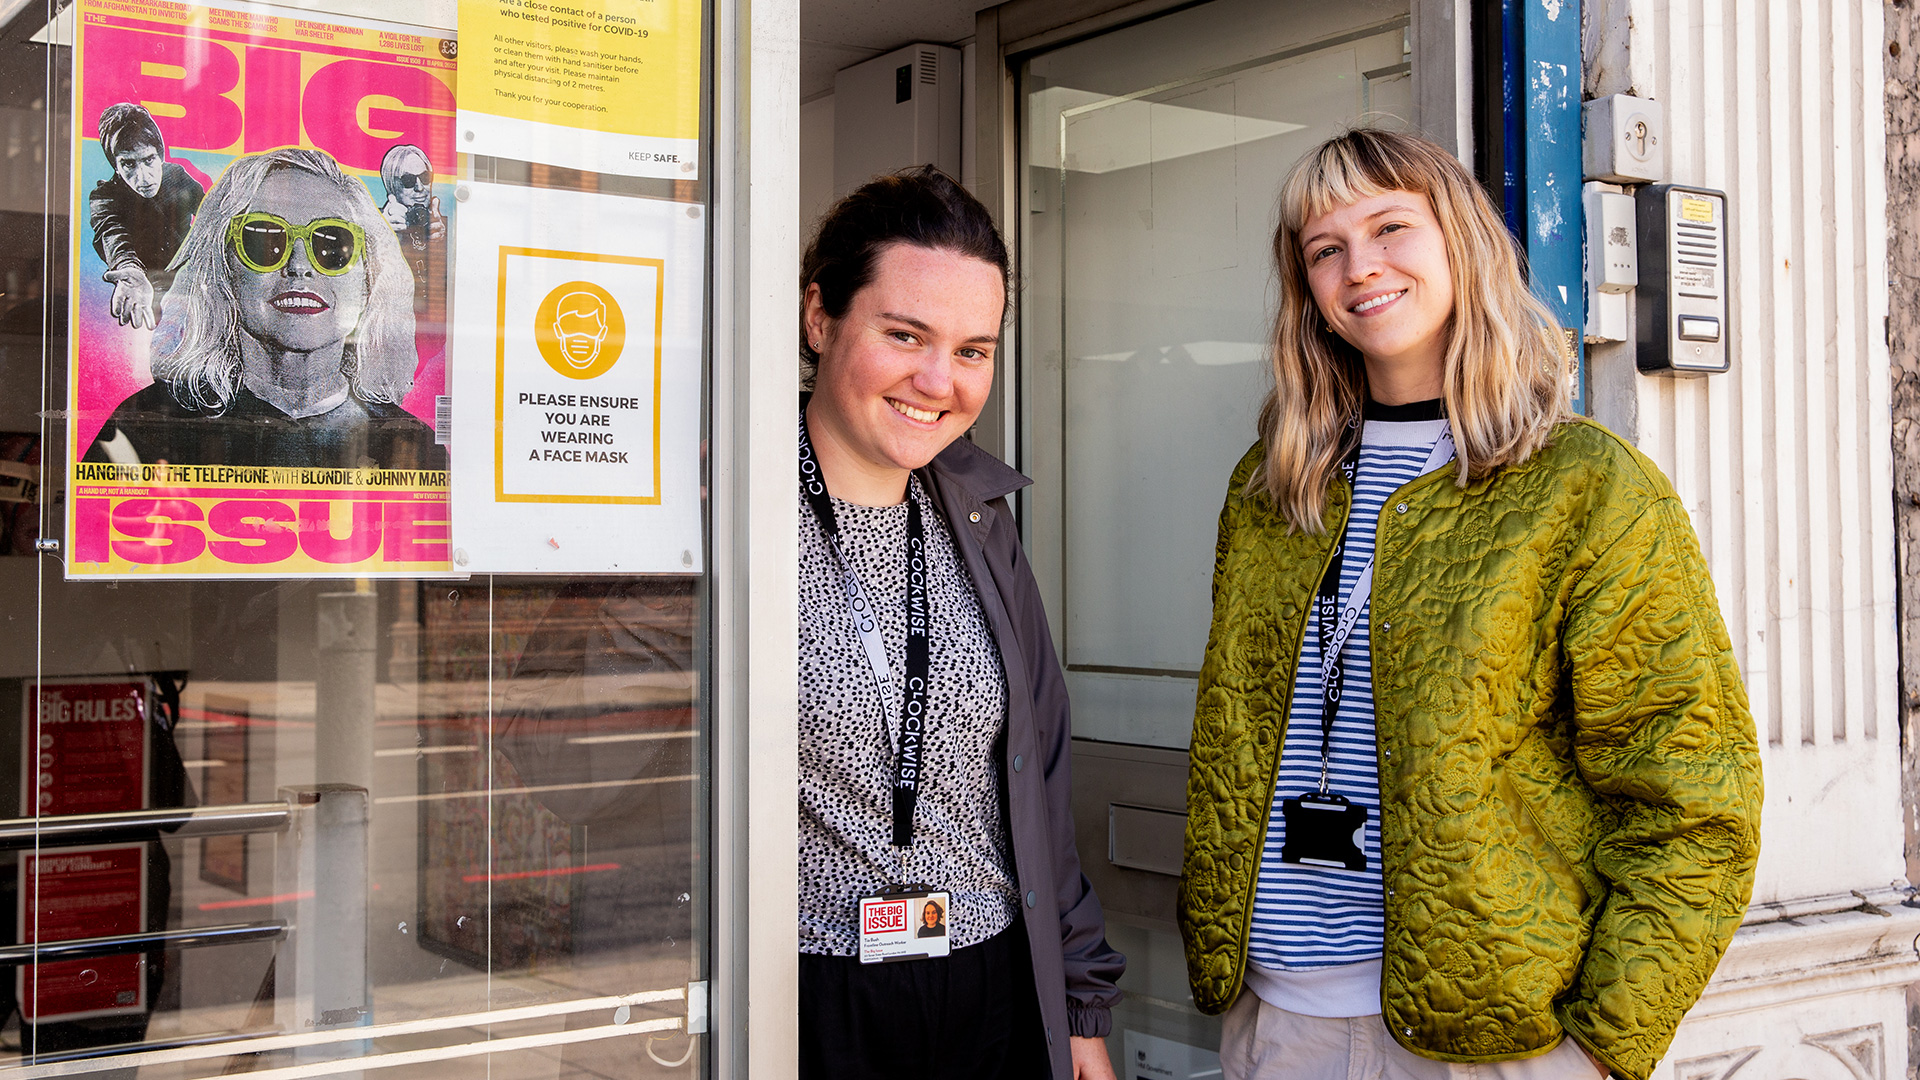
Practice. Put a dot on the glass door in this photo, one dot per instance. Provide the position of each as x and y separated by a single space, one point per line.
1152 157
401 824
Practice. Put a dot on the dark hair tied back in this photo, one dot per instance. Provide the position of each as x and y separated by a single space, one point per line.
921 206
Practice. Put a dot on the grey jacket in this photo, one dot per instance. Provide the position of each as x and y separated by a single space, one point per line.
1074 969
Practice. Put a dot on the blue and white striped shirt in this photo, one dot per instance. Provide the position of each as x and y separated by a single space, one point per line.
1308 918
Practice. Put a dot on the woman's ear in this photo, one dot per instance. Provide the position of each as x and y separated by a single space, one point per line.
815 320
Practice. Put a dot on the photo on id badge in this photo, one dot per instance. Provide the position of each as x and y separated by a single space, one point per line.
903 926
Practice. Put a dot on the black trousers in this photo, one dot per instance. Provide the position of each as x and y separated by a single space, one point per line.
972 1015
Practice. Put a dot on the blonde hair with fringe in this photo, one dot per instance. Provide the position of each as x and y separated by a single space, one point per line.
197 345
1504 370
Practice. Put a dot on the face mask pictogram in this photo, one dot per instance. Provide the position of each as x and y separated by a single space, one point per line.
580 329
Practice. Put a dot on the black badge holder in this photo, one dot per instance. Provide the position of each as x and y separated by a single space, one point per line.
1320 831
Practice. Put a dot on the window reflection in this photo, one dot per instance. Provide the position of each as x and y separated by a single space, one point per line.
532 768
591 771
515 852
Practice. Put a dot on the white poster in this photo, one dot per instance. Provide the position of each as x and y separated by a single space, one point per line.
575 380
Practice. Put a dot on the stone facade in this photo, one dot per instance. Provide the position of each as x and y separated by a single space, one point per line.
1807 116
1903 345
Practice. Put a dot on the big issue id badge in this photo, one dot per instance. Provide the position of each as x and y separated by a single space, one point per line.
903 926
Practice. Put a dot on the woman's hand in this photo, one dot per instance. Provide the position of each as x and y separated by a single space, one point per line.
1090 1059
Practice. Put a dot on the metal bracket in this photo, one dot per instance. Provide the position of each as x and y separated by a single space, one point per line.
697 1008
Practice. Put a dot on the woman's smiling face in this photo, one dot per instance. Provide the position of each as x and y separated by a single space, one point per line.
907 369
297 308
1379 273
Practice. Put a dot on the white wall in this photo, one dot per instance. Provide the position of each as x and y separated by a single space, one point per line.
1785 463
816 163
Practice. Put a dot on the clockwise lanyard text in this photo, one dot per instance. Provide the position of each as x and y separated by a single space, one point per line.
913 715
1334 621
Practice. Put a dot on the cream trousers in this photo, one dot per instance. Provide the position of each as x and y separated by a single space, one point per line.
1261 1042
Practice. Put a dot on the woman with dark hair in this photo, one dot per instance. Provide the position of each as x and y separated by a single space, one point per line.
290 338
933 714
1474 780
933 921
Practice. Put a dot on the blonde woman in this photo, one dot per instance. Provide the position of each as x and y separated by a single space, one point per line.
1474 778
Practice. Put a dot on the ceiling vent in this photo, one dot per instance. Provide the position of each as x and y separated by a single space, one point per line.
894 111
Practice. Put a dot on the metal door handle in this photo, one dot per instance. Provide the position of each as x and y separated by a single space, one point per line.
197 937
19 834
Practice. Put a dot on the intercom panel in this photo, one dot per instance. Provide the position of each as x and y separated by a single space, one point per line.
1680 323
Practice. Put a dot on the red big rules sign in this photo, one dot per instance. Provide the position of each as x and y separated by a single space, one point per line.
84 750
84 747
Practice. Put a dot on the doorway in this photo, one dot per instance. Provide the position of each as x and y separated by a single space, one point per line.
1151 156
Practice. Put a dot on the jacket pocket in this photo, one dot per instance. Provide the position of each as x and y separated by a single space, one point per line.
1563 815
1562 890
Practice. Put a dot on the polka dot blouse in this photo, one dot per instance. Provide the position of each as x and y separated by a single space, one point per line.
848 736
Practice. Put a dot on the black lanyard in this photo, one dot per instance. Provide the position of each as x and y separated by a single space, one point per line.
1327 620
909 759
1333 621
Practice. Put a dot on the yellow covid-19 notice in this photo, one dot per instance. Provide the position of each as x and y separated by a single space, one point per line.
598 85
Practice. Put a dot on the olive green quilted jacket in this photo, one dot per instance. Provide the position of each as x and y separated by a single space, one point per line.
1569 778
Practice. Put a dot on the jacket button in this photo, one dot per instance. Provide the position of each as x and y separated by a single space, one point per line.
974 517
1032 898
1385 627
1017 762
1408 1031
1401 509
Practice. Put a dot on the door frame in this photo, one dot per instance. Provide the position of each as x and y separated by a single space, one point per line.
754 531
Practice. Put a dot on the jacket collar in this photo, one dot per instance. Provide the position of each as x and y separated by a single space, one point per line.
965 479
975 472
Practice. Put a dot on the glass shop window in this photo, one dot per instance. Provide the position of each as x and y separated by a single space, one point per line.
353 538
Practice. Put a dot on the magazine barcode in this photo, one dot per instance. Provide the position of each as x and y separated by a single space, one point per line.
443 420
